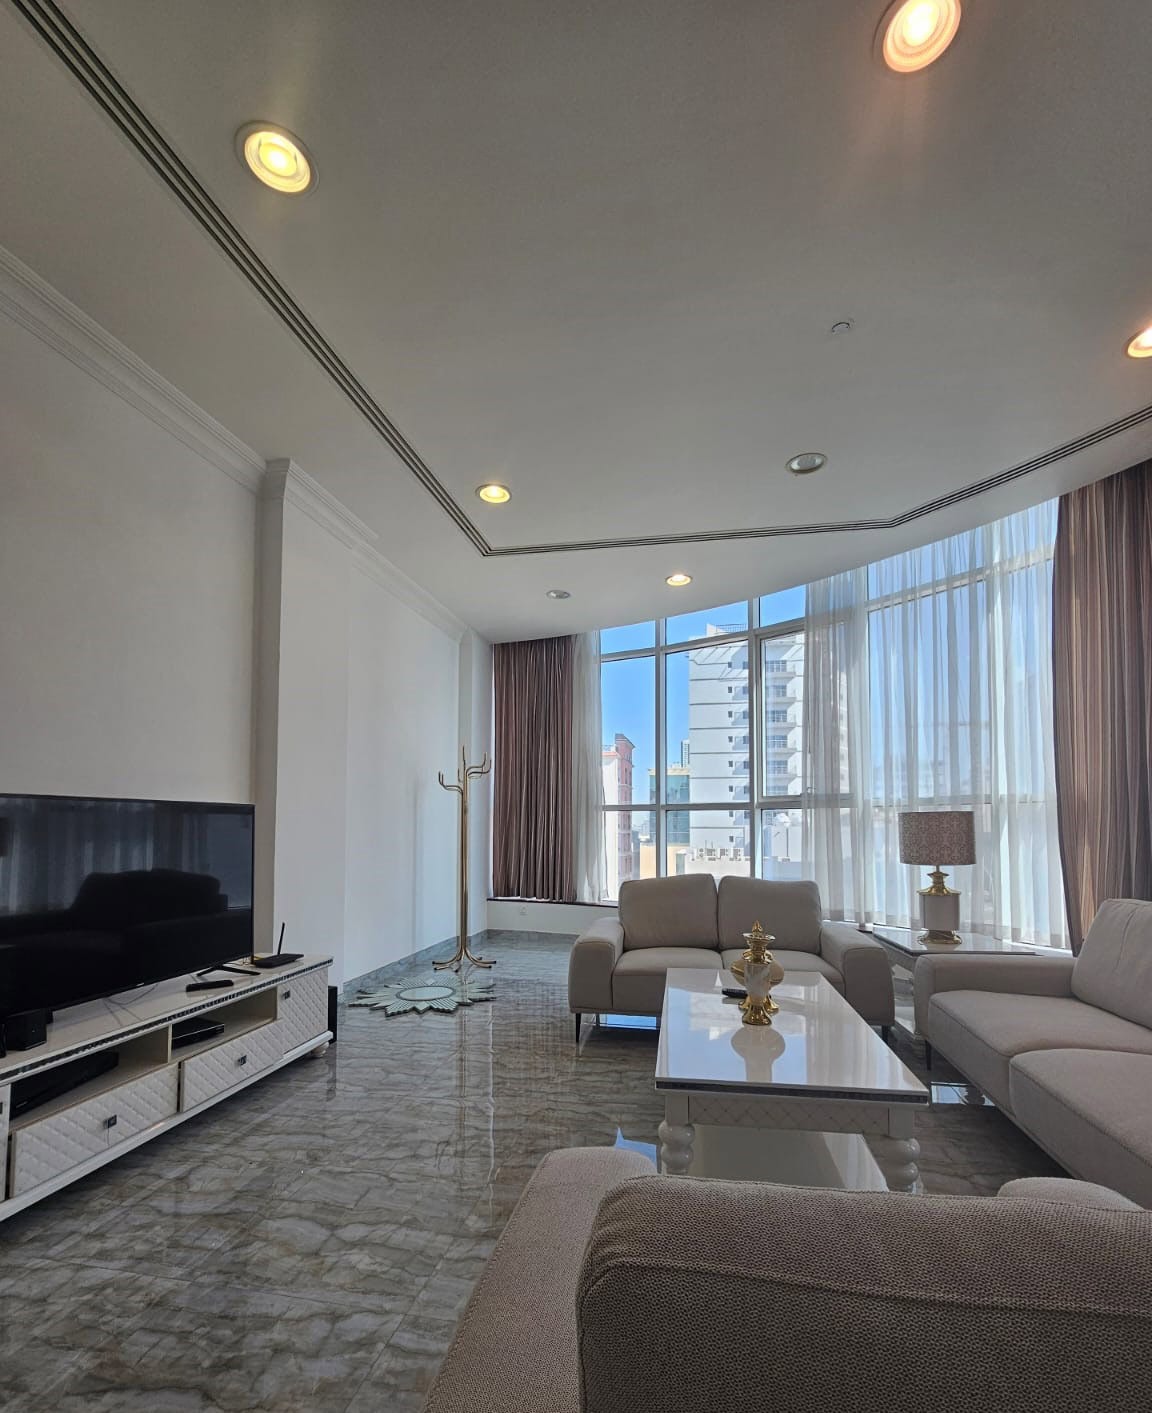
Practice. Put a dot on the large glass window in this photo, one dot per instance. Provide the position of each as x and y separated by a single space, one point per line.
684 745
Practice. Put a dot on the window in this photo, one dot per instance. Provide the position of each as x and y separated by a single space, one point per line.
723 793
692 811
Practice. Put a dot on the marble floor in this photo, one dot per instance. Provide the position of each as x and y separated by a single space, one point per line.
308 1246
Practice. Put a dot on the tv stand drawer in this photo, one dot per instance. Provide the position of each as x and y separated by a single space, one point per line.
43 1149
214 1071
302 1009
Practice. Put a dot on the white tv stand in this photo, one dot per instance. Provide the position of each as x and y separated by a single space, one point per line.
270 1019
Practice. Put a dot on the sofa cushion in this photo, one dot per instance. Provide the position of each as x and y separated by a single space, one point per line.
1090 1109
980 1032
794 962
669 912
790 912
638 981
1114 968
529 1284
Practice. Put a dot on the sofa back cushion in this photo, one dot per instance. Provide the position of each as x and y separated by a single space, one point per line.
669 912
790 912
1114 968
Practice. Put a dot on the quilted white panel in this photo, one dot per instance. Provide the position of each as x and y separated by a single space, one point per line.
44 1149
302 1005
218 1069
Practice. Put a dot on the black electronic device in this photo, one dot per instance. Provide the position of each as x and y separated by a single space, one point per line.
188 1032
209 985
39 1088
734 993
26 1029
99 896
278 958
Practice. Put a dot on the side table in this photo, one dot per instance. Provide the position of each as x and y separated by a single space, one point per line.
904 949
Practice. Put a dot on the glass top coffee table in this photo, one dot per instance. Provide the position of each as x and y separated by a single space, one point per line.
819 1069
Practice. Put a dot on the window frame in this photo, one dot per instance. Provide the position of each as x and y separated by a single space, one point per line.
757 801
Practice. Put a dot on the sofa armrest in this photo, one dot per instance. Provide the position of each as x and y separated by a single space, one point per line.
865 967
515 1347
1016 975
754 1298
594 956
1070 1191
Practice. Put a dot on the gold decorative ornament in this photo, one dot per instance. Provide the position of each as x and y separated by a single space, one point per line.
464 777
760 972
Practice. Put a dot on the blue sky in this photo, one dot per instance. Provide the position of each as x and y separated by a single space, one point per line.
628 694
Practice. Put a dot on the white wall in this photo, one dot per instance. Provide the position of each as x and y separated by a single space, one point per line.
126 583
401 826
359 710
476 735
177 622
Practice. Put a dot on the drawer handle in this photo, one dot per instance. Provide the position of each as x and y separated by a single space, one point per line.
288 994
243 1060
110 1122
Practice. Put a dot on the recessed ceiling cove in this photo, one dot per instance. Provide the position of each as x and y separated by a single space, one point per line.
597 258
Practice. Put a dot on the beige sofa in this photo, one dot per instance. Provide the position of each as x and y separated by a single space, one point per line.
619 964
1063 1045
612 1292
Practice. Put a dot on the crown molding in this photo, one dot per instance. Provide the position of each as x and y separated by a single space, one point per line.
372 564
35 305
285 481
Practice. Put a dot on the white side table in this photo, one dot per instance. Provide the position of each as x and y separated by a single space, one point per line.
904 950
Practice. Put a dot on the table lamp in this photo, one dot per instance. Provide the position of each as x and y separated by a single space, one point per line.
935 837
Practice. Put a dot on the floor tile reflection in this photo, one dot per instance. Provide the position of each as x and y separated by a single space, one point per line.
311 1243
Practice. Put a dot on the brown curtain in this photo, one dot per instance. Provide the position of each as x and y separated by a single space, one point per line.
532 774
1102 688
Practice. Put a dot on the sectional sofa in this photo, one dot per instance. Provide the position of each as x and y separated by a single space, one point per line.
1063 1045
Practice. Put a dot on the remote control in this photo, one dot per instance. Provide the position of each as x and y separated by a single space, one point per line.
737 993
207 985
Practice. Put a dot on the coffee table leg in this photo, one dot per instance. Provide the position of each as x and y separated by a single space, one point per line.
676 1135
897 1153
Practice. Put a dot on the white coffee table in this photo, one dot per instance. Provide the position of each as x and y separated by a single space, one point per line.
819 1068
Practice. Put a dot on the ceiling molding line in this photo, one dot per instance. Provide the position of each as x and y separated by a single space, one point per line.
839 527
62 37
285 481
35 305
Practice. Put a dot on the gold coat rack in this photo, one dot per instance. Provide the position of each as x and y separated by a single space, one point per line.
465 774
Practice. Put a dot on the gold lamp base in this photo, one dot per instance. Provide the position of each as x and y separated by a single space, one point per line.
940 910
758 1012
950 937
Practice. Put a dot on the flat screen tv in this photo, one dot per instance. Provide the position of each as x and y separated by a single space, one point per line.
101 896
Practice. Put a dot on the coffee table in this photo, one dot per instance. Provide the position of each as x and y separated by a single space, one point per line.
819 1068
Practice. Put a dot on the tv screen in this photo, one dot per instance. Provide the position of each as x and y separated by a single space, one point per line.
101 896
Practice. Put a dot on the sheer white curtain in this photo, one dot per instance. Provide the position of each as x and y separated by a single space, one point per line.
587 774
928 685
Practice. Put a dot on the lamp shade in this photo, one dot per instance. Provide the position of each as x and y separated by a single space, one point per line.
937 837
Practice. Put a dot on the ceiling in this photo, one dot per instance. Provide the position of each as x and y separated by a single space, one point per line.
595 251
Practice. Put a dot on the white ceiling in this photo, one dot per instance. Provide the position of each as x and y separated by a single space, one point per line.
595 251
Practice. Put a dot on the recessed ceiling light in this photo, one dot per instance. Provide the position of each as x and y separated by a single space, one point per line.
678 581
559 594
807 462
1141 345
493 493
914 33
275 157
